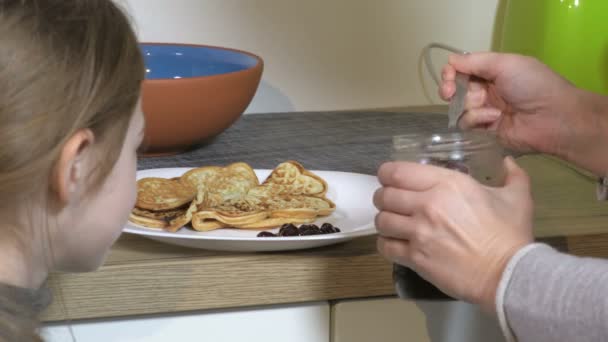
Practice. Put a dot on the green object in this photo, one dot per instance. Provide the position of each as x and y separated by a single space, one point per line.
571 36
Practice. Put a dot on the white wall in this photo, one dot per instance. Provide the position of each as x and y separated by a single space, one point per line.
325 54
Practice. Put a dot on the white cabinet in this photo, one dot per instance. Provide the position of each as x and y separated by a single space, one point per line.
370 320
295 323
394 320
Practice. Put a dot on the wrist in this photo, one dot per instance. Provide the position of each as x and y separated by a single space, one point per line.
487 299
582 140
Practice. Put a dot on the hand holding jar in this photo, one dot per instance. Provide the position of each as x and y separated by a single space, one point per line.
451 229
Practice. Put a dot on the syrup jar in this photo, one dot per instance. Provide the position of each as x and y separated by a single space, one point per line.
475 153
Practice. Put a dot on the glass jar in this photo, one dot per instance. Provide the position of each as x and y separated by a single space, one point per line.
477 154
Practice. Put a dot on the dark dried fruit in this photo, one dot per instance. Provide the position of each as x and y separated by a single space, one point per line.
266 234
289 230
309 229
304 230
287 225
456 165
327 228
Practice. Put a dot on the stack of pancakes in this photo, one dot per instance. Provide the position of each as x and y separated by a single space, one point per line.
209 198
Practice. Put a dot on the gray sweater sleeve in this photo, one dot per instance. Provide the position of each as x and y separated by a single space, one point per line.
545 295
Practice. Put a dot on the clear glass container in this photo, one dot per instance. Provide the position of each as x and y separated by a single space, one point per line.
475 153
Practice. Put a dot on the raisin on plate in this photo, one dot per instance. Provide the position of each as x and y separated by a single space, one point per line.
328 228
309 229
266 234
289 230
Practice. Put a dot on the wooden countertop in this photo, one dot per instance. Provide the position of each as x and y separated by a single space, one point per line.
146 277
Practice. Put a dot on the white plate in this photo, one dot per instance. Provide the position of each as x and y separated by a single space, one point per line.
351 192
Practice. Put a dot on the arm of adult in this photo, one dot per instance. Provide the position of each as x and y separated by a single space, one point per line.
475 243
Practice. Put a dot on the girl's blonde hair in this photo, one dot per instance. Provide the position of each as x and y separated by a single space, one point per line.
65 65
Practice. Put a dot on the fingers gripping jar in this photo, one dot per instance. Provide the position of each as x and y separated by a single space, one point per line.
477 154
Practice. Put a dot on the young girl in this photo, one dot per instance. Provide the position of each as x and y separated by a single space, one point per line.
70 125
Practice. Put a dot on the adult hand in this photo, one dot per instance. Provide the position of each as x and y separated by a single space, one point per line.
530 107
450 229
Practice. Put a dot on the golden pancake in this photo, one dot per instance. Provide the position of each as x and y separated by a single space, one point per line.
230 218
154 219
162 194
166 215
147 222
232 197
185 218
222 183
290 192
291 178
300 206
207 225
274 222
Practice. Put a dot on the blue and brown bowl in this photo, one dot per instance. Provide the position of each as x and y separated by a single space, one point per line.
192 93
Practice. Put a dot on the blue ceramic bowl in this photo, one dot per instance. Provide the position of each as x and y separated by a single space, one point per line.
194 92
181 61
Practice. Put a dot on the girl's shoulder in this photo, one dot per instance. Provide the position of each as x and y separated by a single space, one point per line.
19 310
31 300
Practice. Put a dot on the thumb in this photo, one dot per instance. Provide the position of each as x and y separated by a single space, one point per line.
480 64
516 178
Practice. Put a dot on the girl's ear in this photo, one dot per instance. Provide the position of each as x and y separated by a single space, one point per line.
68 177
